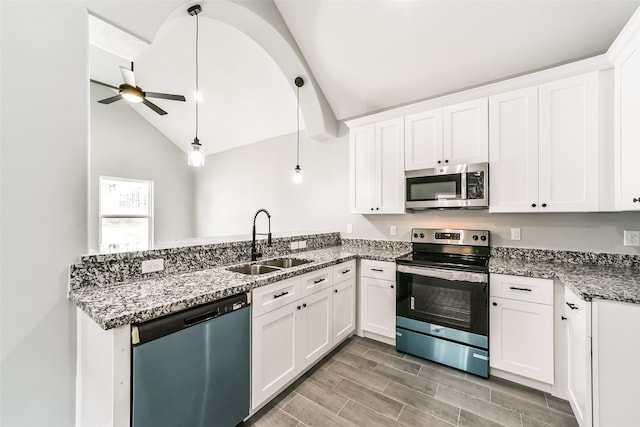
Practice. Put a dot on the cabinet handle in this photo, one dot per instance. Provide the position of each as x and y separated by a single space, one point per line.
335 290
495 304
533 205
298 307
519 289
304 305
379 270
446 161
377 209
391 286
281 295
563 318
346 271
636 199
572 306
315 282
439 161
371 208
544 205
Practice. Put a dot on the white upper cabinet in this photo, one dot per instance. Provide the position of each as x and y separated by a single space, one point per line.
423 140
456 134
544 147
466 133
568 144
377 168
513 150
627 127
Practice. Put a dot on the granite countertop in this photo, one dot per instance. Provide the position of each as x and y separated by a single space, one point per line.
125 303
589 281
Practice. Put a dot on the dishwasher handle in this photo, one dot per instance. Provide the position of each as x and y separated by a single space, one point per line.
145 332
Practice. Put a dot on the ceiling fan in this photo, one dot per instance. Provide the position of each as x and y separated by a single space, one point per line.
132 93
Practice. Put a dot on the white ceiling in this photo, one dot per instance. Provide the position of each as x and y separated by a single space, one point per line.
366 55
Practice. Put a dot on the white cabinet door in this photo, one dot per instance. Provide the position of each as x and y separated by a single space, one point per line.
389 172
423 140
568 144
376 160
314 328
273 362
362 151
344 309
378 306
513 151
521 338
578 314
627 129
466 132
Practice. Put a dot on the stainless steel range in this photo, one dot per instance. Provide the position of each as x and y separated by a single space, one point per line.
442 298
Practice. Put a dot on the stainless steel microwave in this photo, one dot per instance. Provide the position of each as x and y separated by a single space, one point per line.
448 187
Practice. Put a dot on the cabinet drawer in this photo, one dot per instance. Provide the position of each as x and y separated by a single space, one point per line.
519 288
344 271
378 269
315 281
275 295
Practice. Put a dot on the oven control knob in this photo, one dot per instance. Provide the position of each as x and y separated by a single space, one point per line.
475 237
422 235
415 235
483 238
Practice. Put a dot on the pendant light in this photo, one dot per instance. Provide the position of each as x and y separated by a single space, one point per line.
297 172
195 157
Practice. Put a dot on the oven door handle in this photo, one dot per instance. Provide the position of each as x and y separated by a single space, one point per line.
458 276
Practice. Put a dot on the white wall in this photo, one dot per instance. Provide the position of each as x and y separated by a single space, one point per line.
44 135
237 182
125 145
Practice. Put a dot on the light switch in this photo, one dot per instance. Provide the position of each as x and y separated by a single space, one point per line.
393 230
349 228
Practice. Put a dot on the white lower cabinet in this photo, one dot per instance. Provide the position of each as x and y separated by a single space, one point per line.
521 326
315 327
578 321
287 339
273 349
378 298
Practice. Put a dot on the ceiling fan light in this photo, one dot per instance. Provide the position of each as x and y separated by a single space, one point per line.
195 157
132 95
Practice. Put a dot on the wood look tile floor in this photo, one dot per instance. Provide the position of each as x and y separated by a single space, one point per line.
367 383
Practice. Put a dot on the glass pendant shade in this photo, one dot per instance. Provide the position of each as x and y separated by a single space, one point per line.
297 175
195 157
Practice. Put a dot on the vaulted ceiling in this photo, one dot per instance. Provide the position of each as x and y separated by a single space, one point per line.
366 56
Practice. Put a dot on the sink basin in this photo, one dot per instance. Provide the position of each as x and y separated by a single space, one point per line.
285 262
254 269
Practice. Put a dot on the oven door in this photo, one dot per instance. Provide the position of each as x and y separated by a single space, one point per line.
444 298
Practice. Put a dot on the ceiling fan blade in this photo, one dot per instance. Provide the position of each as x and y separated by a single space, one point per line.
165 96
154 107
104 84
110 100
128 77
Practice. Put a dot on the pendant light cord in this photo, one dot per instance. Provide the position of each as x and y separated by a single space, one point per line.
298 125
197 88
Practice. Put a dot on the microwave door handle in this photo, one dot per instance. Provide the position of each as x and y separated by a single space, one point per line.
463 184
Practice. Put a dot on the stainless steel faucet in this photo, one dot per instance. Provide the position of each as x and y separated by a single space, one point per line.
255 255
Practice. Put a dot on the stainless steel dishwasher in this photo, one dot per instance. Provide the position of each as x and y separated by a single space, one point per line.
191 369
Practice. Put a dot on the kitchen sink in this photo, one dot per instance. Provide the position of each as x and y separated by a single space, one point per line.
285 262
269 266
253 269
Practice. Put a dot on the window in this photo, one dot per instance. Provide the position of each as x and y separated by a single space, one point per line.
126 214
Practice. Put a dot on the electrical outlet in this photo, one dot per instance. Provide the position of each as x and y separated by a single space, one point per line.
151 265
294 245
393 230
349 228
515 234
302 244
631 238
